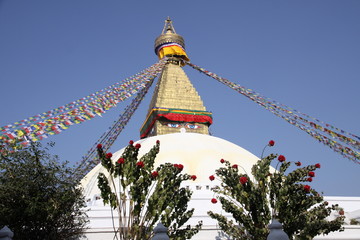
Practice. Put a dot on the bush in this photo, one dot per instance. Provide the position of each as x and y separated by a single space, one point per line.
39 198
287 197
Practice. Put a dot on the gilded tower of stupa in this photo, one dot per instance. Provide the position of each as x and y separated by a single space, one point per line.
176 105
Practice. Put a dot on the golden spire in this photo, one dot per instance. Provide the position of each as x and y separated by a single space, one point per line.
169 43
168 27
176 105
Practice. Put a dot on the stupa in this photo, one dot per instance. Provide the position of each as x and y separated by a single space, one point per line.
177 118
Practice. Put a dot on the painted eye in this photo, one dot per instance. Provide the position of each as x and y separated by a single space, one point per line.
173 125
192 126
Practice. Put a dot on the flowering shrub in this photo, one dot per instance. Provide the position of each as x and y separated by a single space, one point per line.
254 201
143 195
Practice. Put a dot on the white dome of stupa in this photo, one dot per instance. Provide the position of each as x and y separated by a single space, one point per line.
200 154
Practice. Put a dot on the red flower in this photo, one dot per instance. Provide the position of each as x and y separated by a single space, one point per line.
193 177
180 167
317 165
222 160
157 141
271 143
154 174
243 180
131 142
298 164
140 164
235 166
341 212
311 174
137 146
212 178
309 179
307 188
121 161
213 200
281 158
99 146
108 155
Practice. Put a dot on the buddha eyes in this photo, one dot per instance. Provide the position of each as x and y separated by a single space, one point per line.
177 125
192 126
173 125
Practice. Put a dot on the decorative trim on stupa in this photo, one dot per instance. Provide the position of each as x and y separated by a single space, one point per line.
175 118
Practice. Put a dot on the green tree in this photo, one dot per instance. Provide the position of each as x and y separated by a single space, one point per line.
254 201
39 198
144 196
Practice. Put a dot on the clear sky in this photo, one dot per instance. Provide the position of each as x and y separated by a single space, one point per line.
304 54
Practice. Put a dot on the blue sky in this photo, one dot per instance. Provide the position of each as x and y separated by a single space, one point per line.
304 54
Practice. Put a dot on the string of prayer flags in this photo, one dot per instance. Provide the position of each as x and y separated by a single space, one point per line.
107 139
342 142
59 119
